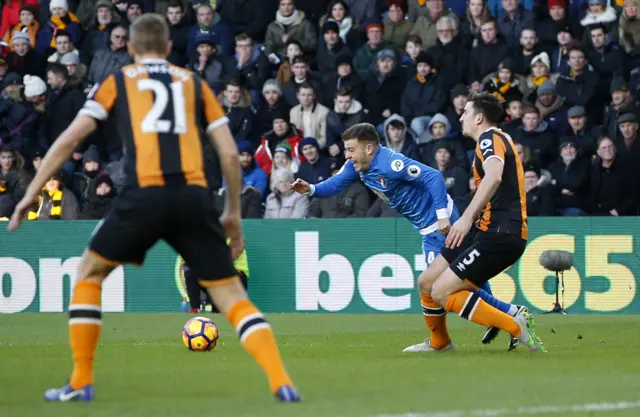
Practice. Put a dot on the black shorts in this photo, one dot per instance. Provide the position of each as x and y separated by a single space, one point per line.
483 255
185 218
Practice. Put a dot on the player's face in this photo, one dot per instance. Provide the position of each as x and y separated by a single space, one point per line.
359 153
468 120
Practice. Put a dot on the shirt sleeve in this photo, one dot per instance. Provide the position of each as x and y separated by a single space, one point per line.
490 146
332 186
101 99
213 112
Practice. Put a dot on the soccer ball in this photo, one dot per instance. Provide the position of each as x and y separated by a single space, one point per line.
200 334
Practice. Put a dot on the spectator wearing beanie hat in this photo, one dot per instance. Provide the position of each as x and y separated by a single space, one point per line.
622 101
557 19
252 175
343 77
329 50
134 9
61 19
396 27
316 167
28 23
282 159
552 108
11 13
366 57
24 60
99 198
540 72
272 102
34 88
423 96
282 131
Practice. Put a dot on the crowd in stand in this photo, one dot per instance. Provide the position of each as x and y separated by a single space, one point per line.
292 75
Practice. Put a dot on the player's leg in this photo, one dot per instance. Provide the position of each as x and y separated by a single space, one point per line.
193 289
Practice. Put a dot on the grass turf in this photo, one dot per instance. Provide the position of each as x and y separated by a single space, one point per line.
345 365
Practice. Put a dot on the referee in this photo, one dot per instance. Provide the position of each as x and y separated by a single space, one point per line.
195 291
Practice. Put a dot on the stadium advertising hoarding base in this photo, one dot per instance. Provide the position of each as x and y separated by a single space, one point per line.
335 266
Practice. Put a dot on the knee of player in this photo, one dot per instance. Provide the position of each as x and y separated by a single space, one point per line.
93 268
439 294
425 282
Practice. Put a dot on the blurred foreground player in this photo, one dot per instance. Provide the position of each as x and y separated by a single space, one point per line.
159 110
413 189
474 254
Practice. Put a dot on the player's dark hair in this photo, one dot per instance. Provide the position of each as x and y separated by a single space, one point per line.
58 69
344 91
149 33
362 132
489 106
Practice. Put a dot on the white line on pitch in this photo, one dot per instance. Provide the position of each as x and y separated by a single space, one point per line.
548 409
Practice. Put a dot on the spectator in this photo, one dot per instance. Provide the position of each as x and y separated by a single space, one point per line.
99 198
343 78
455 107
236 102
551 107
309 115
396 28
513 118
605 57
284 202
35 91
64 45
251 65
290 23
56 202
539 198
13 180
285 70
82 181
11 11
362 11
477 13
61 19
106 61
272 103
528 158
612 194
353 201
536 135
366 57
497 7
282 160
560 55
570 180
381 209
629 29
210 23
252 175
27 24
178 33
505 83
450 55
539 74
437 133
583 134
301 75
621 102
485 57
209 62
77 71
347 111
248 16
134 8
24 60
329 50
599 12
513 19
580 86
282 131
426 25
381 89
523 58
18 120
412 50
455 178
398 138
316 167
313 10
339 12
628 147
99 30
549 28
423 95
250 202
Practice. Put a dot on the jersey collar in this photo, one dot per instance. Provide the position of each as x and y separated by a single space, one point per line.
153 61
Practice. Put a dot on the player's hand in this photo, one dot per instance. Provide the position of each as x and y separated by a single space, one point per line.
457 233
19 214
444 225
232 225
300 186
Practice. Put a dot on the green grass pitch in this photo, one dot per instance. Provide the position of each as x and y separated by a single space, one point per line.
344 365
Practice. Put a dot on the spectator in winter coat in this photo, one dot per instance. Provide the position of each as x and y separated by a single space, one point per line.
580 86
487 55
236 102
309 116
99 199
526 50
570 175
535 134
13 181
248 16
61 19
476 14
285 70
282 160
438 132
539 198
250 202
581 131
424 95
497 7
56 202
539 74
252 175
134 8
329 50
366 57
600 12
347 111
560 55
344 77
426 26
512 20
411 52
28 24
24 60
210 23
18 119
290 23
450 55
382 88
108 60
316 167
629 29
210 63
11 11
301 74
396 28
251 65
353 201
282 131
621 102
455 177
458 99
628 146
105 18
505 83
273 103
83 180
178 33
64 45
551 107
284 202
398 138
611 193
339 11
363 11
549 27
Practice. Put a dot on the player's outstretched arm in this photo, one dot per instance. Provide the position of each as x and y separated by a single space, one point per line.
81 127
332 186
